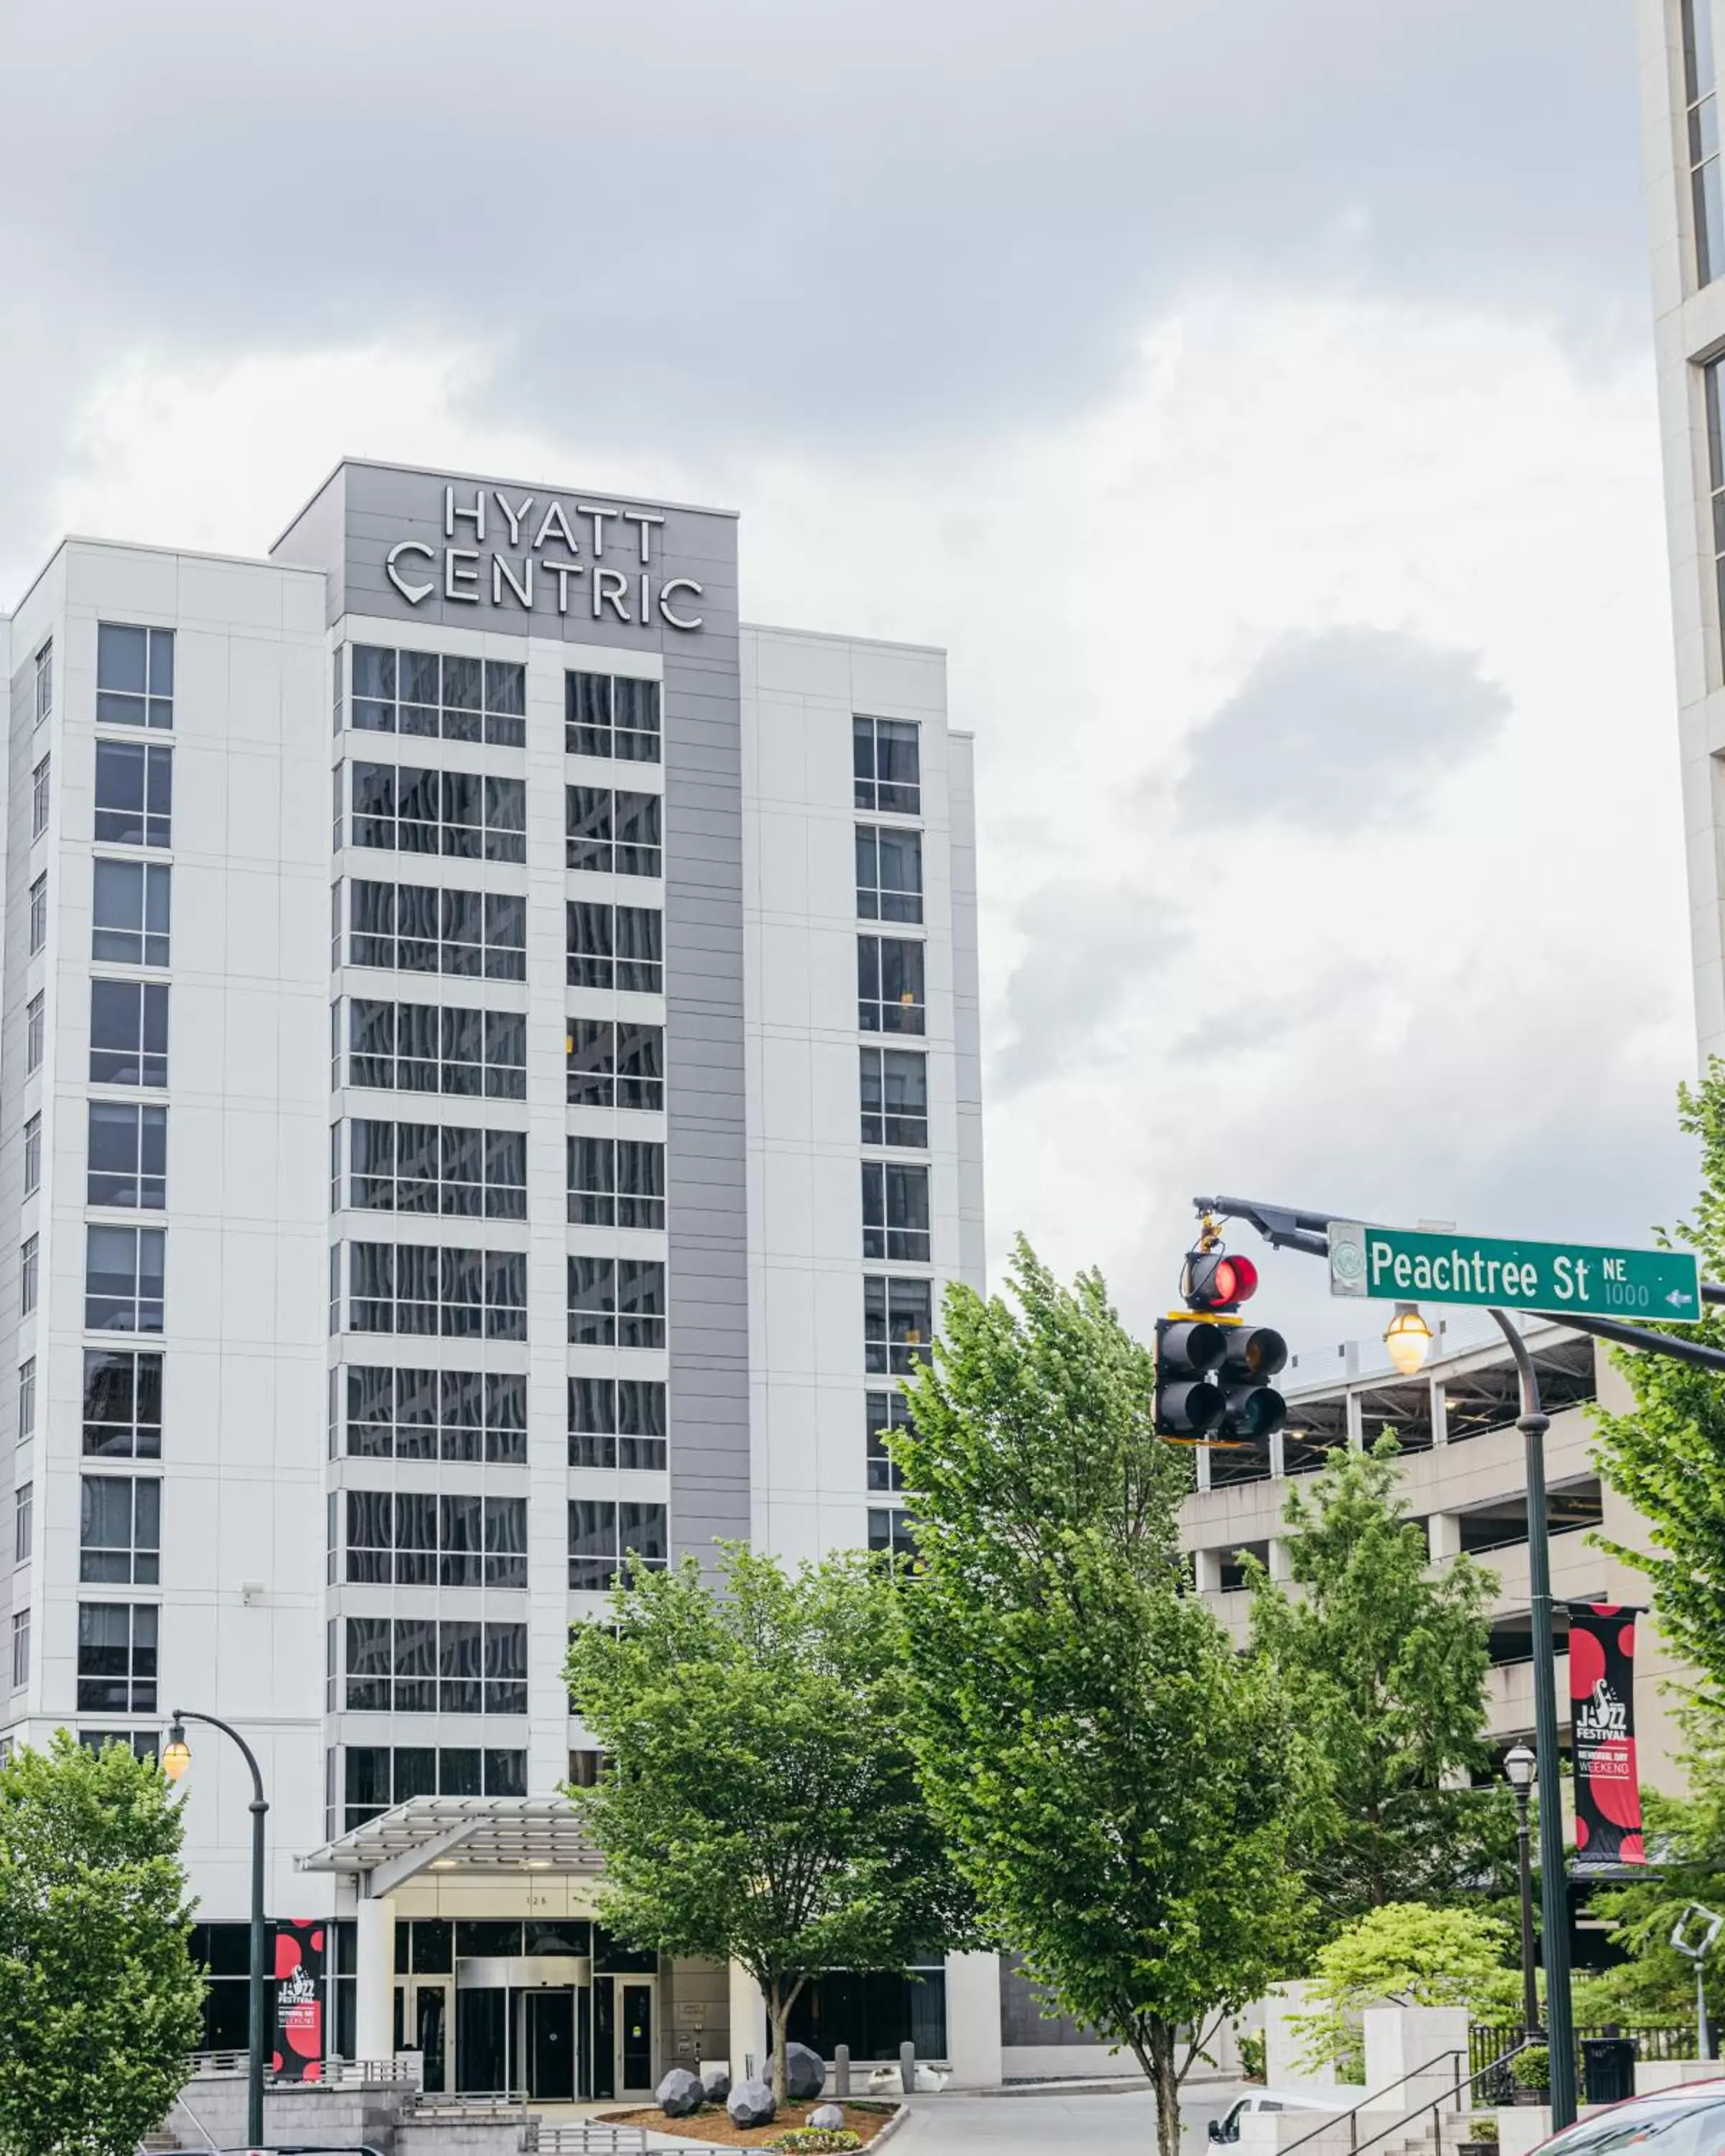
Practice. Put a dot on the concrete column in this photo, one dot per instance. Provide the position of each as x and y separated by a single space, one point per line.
1207 1571
1443 1531
1280 1565
374 1979
1278 1458
973 2019
748 2024
1201 1460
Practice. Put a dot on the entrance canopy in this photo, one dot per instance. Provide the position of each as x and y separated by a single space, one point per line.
467 1834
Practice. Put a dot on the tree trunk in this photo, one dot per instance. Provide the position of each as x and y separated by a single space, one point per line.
1166 2084
778 2012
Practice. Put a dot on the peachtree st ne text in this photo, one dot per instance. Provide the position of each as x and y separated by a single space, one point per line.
1471 1273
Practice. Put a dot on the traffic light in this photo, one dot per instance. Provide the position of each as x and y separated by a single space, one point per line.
1212 1369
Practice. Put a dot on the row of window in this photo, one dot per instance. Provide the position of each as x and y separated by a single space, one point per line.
134 794
375 1777
384 1413
419 1538
435 1666
428 1168
1701 107
418 1288
467 815
128 1033
425 1048
457 698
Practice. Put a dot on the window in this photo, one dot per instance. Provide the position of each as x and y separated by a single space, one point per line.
889 873
617 1422
433 1415
141 1744
117 1658
33 1155
129 921
885 1411
1703 115
421 1048
615 1064
20 1649
895 1208
420 692
39 913
894 1096
897 1326
889 985
608 715
375 1777
616 947
44 681
40 793
122 1279
35 1033
134 676
134 794
614 833
128 1155
24 1506
28 1258
412 1287
122 1403
616 1302
585 1768
26 1398
604 1536
120 1531
891 1534
431 1168
416 929
128 1033
889 774
423 1666
417 1538
616 1183
464 814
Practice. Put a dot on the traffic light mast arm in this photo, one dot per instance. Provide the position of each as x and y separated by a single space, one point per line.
1290 1228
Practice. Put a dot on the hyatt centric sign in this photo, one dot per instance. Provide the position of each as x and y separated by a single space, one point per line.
576 556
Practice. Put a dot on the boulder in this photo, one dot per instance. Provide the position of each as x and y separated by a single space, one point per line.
680 2094
827 2115
716 2081
805 2074
749 2103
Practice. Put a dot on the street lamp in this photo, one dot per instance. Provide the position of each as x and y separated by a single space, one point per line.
1408 1337
1519 1768
176 1758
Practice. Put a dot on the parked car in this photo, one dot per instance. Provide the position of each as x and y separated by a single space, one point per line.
1679 2121
1227 2127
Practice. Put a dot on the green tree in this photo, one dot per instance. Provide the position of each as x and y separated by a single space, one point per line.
1385 1659
1117 1782
1667 1455
760 1803
1410 1954
100 2004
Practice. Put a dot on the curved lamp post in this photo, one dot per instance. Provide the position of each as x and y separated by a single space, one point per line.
176 1758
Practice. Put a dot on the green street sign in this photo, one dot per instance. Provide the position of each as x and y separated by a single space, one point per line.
1404 1265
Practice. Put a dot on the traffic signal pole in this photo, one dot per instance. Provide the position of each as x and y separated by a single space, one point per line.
1287 1228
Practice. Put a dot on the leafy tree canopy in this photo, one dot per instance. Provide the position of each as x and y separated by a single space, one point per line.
760 1803
1383 1658
1407 1954
100 2004
1118 1784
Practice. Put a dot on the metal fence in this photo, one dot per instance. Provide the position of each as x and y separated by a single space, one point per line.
1487 2045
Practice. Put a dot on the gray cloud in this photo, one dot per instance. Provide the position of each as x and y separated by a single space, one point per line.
781 224
1089 949
1336 730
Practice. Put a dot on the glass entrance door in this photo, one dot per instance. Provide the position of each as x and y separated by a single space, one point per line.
431 2028
550 2046
634 2034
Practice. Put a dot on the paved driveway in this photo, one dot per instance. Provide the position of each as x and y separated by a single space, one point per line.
1102 2124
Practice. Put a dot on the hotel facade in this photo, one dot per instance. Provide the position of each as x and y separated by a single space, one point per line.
491 1095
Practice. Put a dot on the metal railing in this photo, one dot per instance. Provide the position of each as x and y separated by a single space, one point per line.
1489 2045
592 2137
338 2073
1453 2058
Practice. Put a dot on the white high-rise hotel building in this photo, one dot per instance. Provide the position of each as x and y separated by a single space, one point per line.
489 1082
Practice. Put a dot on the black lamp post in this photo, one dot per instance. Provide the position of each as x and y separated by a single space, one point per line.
1519 1767
176 1758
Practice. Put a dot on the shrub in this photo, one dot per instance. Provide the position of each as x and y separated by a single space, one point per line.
1482 2126
1532 2068
818 2140
1253 2060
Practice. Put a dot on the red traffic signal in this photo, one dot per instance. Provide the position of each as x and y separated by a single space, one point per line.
1212 1281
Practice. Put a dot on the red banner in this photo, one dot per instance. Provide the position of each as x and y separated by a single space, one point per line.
299 1998
1602 1716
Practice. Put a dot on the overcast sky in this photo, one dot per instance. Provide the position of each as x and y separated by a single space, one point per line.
1257 403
